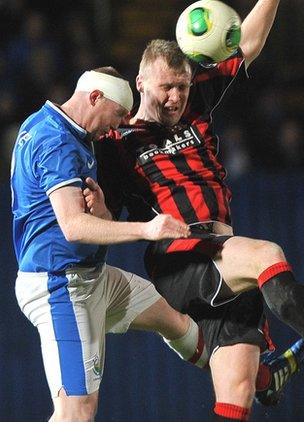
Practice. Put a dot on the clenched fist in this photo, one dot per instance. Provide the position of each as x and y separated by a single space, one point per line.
95 201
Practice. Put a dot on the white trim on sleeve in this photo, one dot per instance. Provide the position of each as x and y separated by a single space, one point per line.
65 183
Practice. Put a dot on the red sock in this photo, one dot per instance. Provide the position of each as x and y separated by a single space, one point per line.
263 377
272 271
232 411
199 349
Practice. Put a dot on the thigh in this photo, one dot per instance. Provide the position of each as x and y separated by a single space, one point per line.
128 296
237 263
69 313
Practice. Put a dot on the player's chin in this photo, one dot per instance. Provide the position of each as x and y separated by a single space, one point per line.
96 135
171 119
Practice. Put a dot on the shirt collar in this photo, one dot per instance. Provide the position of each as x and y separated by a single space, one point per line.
82 133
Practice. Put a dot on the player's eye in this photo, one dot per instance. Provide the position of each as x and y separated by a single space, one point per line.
121 113
184 87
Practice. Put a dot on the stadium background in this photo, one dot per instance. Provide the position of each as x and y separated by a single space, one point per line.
44 48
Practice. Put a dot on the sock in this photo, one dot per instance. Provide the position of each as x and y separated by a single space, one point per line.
230 412
219 418
266 374
272 271
284 297
190 346
263 378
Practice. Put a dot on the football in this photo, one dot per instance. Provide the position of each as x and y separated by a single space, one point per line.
208 31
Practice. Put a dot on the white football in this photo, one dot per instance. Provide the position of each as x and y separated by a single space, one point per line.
208 31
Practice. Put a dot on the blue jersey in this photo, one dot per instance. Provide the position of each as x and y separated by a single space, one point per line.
50 152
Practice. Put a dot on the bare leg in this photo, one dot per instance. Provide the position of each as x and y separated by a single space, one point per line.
179 331
164 319
242 260
234 370
74 408
246 263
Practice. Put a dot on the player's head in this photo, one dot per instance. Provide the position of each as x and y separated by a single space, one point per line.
164 81
108 99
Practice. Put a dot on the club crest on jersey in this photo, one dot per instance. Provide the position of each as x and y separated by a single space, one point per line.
170 146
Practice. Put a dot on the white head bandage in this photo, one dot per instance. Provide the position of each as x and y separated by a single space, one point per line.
113 88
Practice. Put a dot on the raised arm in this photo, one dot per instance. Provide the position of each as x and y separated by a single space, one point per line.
256 27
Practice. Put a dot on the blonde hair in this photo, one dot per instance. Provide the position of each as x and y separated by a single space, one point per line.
169 51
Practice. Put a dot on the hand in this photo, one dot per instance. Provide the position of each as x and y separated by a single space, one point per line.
95 200
165 226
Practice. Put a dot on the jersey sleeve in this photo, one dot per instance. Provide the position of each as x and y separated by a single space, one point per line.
57 163
210 84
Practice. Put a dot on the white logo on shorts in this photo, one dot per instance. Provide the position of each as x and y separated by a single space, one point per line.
96 366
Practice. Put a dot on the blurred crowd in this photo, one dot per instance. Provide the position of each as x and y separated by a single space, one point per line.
46 45
42 53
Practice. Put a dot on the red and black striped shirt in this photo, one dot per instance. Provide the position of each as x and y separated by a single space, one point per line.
173 170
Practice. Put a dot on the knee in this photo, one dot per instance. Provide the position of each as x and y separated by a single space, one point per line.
87 411
81 409
268 253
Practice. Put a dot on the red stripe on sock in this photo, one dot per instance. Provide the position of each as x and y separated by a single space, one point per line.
271 271
199 348
232 411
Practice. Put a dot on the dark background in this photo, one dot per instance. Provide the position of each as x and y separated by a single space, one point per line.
44 48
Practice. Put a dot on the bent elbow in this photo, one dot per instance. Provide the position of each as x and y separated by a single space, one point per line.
70 234
251 51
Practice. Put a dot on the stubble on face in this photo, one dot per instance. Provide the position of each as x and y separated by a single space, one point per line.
166 92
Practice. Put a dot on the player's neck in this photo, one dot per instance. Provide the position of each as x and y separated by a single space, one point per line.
73 112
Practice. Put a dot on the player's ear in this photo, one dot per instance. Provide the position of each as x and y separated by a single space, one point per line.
95 95
139 83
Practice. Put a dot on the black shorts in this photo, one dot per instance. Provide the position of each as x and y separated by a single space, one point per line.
192 284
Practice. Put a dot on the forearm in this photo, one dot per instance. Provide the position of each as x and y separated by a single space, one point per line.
85 228
256 27
79 226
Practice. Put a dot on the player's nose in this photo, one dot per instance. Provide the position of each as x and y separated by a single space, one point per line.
174 94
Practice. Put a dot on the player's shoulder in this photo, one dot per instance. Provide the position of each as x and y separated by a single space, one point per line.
40 136
136 128
29 132
204 72
126 132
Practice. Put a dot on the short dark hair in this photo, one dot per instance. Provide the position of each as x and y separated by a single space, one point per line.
109 70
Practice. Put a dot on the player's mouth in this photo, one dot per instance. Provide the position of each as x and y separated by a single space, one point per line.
105 130
172 110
